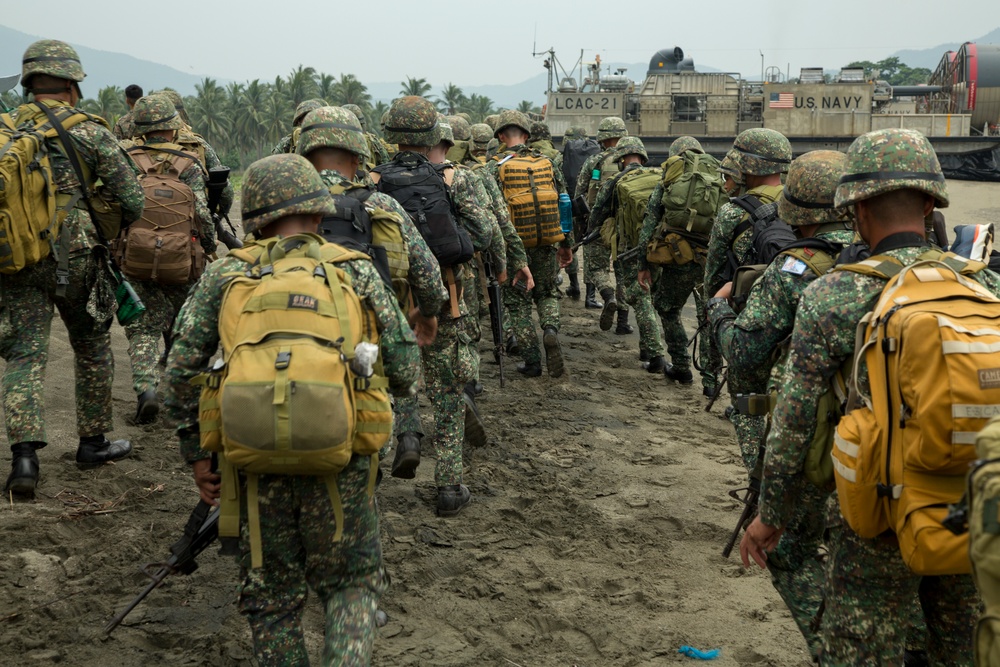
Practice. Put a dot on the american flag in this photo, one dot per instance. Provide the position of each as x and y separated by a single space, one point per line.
781 101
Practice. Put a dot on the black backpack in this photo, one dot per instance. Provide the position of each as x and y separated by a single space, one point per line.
575 153
351 227
419 186
769 234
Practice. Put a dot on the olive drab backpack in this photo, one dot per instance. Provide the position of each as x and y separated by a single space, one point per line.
31 212
287 397
692 195
633 188
528 183
931 346
983 496
163 246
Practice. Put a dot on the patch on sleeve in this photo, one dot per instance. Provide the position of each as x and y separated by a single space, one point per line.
794 266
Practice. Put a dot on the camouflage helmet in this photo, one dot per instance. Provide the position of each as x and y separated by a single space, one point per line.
447 134
460 128
305 107
807 198
511 118
630 146
175 99
331 127
611 127
491 120
762 152
154 113
540 131
412 121
887 160
465 116
685 143
481 135
282 185
52 57
580 132
492 147
359 112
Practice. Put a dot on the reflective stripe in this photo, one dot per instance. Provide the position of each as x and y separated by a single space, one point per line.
958 347
943 322
974 411
964 437
849 474
848 448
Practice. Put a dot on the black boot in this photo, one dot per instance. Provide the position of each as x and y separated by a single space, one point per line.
644 356
678 375
529 370
513 349
573 291
149 407
553 353
404 464
591 301
623 328
95 450
656 365
474 388
23 469
475 430
610 307
452 499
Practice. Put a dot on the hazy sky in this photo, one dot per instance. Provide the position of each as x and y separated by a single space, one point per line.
472 42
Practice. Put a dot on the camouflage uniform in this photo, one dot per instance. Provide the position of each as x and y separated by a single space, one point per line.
287 143
124 127
482 134
673 285
88 304
297 522
869 588
541 141
377 152
754 340
155 113
543 266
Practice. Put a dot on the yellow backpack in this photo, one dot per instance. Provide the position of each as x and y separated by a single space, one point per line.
31 213
529 188
932 349
287 397
984 540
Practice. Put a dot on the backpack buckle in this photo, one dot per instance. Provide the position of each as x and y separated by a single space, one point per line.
282 360
362 384
62 276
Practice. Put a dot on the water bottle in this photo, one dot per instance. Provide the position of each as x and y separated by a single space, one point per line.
565 213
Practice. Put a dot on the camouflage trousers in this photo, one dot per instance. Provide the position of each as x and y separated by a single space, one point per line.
751 431
544 296
297 527
86 309
144 334
645 316
869 600
596 265
472 297
448 364
672 286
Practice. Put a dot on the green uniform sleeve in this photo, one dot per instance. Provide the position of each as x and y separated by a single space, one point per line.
654 214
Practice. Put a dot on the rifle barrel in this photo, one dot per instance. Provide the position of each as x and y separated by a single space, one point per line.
158 578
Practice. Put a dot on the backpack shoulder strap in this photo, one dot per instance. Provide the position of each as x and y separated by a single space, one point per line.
818 254
876 266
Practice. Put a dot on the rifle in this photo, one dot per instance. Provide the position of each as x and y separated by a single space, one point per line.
7 84
718 390
749 501
218 178
629 254
201 530
496 312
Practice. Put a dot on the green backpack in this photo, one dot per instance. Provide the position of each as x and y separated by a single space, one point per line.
692 194
633 189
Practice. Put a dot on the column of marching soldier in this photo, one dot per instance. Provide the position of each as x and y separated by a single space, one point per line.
352 240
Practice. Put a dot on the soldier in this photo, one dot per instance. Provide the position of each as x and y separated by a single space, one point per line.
762 155
461 151
124 128
492 148
377 153
631 155
412 124
541 141
672 286
157 123
597 256
491 120
299 532
732 178
892 180
481 136
287 143
74 278
755 338
513 132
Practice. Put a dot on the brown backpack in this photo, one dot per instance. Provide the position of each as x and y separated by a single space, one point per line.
163 245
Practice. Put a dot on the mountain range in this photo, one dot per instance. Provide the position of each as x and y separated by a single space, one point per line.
106 68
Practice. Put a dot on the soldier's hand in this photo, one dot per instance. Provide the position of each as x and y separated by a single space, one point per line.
758 540
565 256
725 291
645 279
502 277
208 482
424 328
524 276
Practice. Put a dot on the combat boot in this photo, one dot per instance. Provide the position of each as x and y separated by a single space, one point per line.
452 499
656 365
591 300
97 449
610 307
23 469
623 328
474 388
573 291
475 430
553 353
678 375
513 349
529 370
404 464
644 356
149 407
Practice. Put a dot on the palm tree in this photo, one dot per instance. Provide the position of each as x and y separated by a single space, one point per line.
479 107
376 115
109 104
208 111
302 84
452 98
411 86
527 107
348 90
326 87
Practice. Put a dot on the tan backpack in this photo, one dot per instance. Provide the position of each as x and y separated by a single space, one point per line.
163 246
529 188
